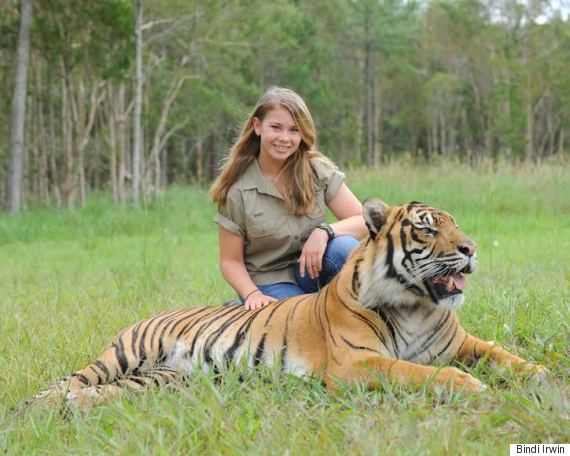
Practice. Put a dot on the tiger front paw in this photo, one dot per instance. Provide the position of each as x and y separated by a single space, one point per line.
459 380
536 374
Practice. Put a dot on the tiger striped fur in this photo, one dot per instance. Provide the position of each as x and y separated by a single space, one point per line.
388 313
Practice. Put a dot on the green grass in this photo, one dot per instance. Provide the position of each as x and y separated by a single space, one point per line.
71 280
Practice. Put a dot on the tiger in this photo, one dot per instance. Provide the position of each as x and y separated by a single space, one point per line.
390 313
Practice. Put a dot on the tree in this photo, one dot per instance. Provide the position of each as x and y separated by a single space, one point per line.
137 120
19 109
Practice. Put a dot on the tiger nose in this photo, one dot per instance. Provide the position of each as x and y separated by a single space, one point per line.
467 248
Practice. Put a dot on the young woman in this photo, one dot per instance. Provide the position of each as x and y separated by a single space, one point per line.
272 195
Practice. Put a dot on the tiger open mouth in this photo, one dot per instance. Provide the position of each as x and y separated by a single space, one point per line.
445 286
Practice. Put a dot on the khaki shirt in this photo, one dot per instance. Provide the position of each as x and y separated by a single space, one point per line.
256 211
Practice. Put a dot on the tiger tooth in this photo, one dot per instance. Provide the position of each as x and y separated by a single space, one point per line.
449 286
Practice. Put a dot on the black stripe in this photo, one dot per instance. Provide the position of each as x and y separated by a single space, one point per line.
406 259
206 325
324 306
161 355
239 337
171 321
156 379
215 335
134 335
384 318
99 379
229 354
232 319
136 379
371 232
356 277
414 204
153 335
439 325
414 236
284 353
390 257
188 326
390 327
82 378
449 342
259 351
142 348
464 359
191 313
358 347
293 310
365 320
277 305
317 313
432 294
327 318
120 355
103 368
398 329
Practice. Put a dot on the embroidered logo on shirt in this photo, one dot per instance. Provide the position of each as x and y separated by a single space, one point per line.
258 214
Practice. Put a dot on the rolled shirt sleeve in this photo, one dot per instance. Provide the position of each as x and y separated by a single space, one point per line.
330 179
231 216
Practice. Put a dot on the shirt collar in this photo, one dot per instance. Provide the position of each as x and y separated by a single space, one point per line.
254 178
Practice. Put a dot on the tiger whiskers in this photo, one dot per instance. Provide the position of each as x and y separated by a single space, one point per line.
429 270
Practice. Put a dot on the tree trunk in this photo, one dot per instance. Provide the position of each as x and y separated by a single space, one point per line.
117 140
19 110
52 166
137 118
378 139
79 122
434 135
163 181
529 138
41 136
561 140
84 126
122 114
112 142
161 136
211 157
489 140
68 182
368 94
200 161
43 140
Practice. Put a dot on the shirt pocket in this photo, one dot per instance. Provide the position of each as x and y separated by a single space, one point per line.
266 238
263 229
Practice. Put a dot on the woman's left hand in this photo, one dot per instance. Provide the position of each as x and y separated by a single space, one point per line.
312 253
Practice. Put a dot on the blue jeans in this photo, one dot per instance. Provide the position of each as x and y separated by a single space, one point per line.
333 260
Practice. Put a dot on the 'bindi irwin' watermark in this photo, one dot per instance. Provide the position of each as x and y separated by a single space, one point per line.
539 448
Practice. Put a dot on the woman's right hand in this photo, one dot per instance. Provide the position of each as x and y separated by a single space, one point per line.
257 300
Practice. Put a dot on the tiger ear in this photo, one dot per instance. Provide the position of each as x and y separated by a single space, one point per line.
375 214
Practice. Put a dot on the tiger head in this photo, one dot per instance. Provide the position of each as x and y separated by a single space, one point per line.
416 255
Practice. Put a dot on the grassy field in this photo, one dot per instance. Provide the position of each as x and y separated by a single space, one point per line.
70 281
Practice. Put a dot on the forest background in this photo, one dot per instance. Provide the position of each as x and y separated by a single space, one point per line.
476 80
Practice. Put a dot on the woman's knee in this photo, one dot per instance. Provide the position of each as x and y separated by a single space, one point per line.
335 256
339 249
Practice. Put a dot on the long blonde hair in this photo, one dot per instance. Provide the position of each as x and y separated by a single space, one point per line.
298 177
